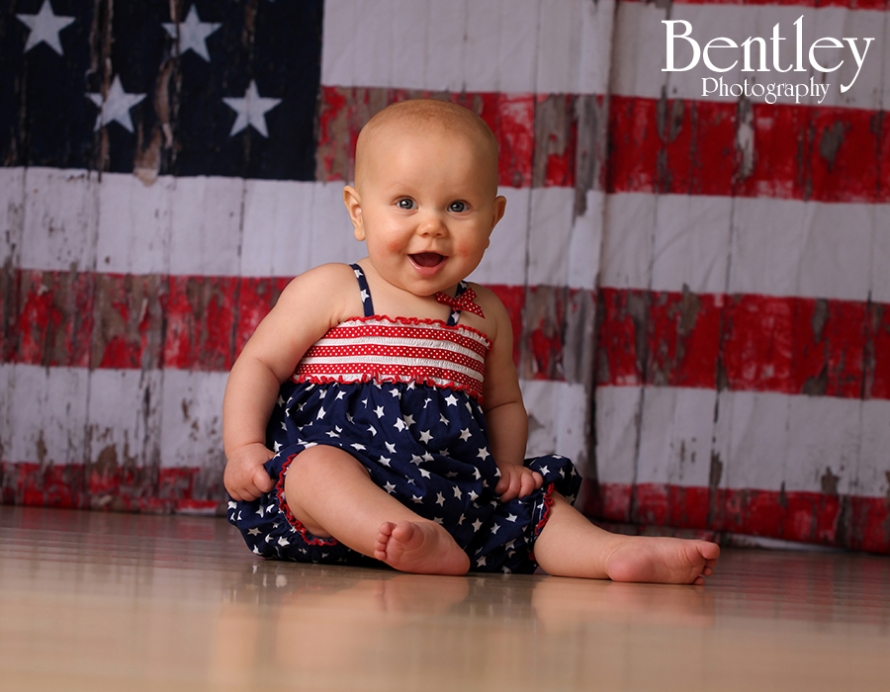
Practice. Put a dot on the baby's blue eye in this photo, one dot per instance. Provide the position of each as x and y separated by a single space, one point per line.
405 203
457 207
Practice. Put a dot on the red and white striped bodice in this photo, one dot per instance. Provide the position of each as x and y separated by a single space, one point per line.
384 349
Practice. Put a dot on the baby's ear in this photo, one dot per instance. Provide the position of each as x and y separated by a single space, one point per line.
500 206
354 206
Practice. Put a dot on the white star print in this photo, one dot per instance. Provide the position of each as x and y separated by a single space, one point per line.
390 447
544 470
395 393
260 511
511 517
477 525
365 295
399 424
256 550
460 521
276 447
476 474
232 505
390 488
409 420
483 453
44 27
358 273
251 110
115 106
424 473
321 413
443 420
254 532
385 461
473 495
428 457
494 529
451 400
379 411
358 447
340 395
283 541
425 436
444 452
331 433
416 499
192 33
372 430
416 460
439 521
457 493
280 401
480 562
440 499
465 434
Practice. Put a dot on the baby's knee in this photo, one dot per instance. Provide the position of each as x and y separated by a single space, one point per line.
317 464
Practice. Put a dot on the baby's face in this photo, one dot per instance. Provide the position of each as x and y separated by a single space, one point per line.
428 204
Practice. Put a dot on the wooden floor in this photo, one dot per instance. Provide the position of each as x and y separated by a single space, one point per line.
100 601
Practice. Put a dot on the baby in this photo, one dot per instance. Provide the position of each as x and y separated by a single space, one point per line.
376 416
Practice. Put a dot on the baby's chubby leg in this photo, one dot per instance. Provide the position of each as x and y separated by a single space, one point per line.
571 546
332 494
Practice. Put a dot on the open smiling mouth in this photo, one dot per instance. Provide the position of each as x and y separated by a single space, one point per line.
427 259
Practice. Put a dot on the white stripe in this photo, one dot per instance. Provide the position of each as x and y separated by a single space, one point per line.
709 244
508 46
125 417
559 419
465 332
401 343
638 72
399 361
761 440
747 245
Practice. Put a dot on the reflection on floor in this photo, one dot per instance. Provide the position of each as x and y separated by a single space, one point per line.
101 601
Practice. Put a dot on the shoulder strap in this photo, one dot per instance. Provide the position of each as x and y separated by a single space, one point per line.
367 303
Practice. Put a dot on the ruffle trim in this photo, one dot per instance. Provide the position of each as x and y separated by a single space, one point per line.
388 379
308 538
548 505
416 321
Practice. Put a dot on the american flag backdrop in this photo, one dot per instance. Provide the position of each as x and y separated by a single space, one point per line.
698 284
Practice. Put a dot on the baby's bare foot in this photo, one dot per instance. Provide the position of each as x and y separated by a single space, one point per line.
662 560
419 547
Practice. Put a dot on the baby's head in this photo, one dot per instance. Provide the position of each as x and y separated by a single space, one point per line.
425 193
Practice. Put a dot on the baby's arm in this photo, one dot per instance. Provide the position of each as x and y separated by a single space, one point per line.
309 306
505 414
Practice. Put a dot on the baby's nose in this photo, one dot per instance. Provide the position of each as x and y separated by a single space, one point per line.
432 224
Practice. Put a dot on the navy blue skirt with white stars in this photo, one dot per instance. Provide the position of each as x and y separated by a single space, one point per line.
402 397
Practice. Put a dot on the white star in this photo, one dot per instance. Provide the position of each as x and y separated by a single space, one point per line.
331 433
260 511
192 33
444 452
442 419
416 460
283 541
465 434
365 295
439 521
509 545
115 106
390 447
372 430
409 420
440 499
476 474
254 532
395 393
511 517
251 110
544 470
384 460
280 401
428 457
483 453
425 436
477 525
494 529
480 562
399 424
457 493
44 27
473 495
461 520
451 400
416 499
390 488
232 505
451 474
358 447
379 411
276 447
321 413
424 473
256 550
340 395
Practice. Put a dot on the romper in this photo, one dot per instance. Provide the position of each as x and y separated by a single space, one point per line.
402 396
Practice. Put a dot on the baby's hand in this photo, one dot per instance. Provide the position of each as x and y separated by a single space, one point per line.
244 477
517 481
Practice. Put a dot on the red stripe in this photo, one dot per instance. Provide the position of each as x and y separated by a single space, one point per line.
370 352
850 4
353 372
846 521
744 343
800 152
404 332
86 486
